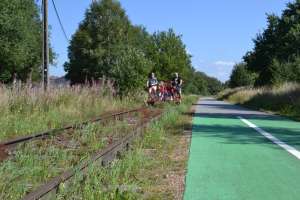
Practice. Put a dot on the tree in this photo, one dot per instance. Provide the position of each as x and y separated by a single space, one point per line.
214 86
94 47
20 40
281 72
241 76
170 56
197 84
278 44
107 44
130 72
200 83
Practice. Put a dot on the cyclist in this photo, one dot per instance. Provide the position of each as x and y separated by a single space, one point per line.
177 84
152 84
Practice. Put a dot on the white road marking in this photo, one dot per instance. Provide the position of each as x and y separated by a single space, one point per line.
275 140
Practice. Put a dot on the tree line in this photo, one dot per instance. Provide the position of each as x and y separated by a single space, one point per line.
106 44
275 58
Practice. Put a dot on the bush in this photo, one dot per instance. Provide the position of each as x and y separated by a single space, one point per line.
241 76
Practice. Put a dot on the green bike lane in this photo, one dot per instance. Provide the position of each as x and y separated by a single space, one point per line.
282 128
230 160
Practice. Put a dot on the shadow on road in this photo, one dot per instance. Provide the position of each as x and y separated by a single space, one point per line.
284 129
242 135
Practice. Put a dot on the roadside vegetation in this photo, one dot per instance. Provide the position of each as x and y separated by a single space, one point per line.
153 169
268 78
274 60
283 99
109 62
26 110
33 163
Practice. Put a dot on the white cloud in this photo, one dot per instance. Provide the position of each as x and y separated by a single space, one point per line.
224 63
219 69
223 72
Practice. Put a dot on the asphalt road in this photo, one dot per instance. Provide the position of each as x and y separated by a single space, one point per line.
239 154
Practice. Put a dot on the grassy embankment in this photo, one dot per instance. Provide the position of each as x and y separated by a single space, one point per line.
154 169
34 163
283 100
26 111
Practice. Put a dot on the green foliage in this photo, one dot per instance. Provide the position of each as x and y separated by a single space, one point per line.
94 47
197 84
278 73
200 83
213 85
241 76
130 72
170 55
284 72
277 48
107 44
20 40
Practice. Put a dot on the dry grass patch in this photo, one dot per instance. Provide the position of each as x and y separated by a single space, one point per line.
283 99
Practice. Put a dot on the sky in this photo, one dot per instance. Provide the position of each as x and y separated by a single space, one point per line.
217 33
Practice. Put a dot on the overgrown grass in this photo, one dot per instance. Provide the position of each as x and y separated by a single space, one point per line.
36 162
30 110
25 110
283 100
144 172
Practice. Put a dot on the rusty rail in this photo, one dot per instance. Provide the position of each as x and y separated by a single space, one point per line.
102 157
53 132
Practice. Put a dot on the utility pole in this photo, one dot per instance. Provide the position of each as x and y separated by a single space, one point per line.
45 46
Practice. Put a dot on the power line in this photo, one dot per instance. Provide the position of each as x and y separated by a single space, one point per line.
60 22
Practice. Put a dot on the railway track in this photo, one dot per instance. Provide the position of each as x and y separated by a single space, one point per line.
101 157
11 144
